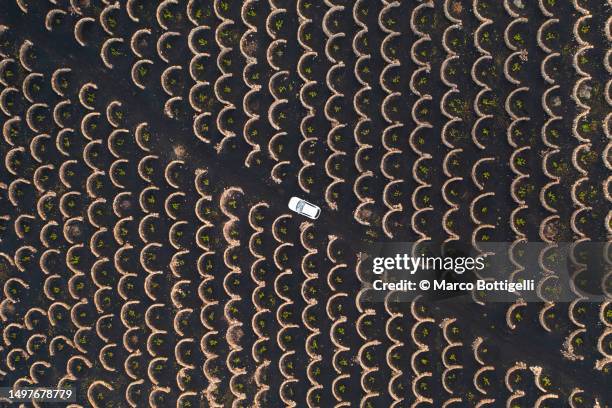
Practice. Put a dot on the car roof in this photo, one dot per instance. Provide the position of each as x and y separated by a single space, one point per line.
310 209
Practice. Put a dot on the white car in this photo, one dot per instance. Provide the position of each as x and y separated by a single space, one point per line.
305 208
